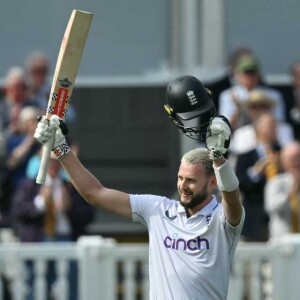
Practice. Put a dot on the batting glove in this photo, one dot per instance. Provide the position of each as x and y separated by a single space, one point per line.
44 131
218 137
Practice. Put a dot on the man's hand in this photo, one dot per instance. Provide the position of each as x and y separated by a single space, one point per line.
45 129
218 137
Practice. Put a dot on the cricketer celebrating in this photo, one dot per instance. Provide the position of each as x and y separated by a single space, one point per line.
191 241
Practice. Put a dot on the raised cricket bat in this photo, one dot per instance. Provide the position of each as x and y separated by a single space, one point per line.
64 76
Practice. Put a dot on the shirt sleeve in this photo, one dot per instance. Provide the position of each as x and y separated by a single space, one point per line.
238 228
233 233
144 206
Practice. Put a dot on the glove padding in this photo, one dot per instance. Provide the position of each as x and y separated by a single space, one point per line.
218 136
46 128
43 131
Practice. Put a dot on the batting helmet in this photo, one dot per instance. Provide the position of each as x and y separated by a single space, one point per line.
188 99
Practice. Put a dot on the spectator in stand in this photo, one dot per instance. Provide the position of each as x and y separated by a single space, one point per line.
21 145
253 169
37 66
52 212
228 80
244 138
39 212
4 191
291 95
282 194
79 213
16 97
248 77
41 209
2 147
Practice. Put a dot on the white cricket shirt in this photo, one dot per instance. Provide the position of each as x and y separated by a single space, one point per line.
189 258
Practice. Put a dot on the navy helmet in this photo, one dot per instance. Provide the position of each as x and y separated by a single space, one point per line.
188 99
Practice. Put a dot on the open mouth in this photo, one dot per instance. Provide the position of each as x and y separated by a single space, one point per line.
186 195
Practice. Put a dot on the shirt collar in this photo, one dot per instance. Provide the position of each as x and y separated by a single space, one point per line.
205 210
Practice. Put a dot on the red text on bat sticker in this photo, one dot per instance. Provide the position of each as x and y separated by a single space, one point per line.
60 101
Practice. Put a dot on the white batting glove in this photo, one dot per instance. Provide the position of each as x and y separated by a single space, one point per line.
60 138
60 147
44 131
218 137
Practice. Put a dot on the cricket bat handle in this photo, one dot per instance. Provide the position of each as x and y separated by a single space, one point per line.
47 148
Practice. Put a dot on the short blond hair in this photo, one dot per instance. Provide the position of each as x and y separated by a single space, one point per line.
199 156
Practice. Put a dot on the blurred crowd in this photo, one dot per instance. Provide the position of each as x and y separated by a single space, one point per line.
36 213
264 151
265 122
265 144
30 212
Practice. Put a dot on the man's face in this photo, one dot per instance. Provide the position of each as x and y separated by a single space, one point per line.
249 80
38 72
291 159
255 110
17 91
193 185
266 128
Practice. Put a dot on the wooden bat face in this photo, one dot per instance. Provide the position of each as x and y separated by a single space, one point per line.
64 77
68 63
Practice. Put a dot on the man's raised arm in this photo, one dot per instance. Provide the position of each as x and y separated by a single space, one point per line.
85 182
217 141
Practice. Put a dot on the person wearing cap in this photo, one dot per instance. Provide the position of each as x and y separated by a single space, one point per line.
244 137
248 77
227 79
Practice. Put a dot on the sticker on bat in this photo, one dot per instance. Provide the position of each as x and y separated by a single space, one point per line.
65 82
62 96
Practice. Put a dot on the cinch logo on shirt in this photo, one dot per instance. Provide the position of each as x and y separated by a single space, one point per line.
182 244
